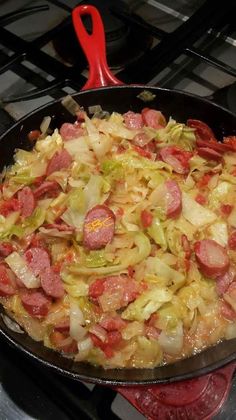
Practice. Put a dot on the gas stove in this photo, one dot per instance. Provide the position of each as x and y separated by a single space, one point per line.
187 45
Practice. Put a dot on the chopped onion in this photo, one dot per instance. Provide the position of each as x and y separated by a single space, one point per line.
85 345
71 105
99 332
172 343
22 271
76 320
12 325
45 124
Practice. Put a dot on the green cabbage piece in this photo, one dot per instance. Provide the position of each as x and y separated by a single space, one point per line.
157 233
219 194
156 266
134 256
33 222
177 134
8 227
147 354
113 169
146 304
195 213
95 259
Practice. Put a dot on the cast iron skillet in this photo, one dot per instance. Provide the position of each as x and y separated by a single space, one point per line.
180 106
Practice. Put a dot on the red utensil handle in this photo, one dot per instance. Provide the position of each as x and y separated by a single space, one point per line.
94 48
195 399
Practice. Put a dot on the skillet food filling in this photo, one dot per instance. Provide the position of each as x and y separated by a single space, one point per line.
118 239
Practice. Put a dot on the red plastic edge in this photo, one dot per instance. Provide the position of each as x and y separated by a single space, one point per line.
196 399
94 48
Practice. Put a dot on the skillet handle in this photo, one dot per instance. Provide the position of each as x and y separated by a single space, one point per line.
94 48
196 399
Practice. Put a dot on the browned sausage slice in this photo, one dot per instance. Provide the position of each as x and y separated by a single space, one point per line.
70 131
47 187
37 259
99 227
174 199
35 303
209 154
27 201
7 282
60 160
133 120
177 158
51 283
212 258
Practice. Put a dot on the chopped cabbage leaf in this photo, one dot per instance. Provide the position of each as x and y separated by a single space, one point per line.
156 266
195 213
146 304
219 194
177 134
219 232
22 271
157 233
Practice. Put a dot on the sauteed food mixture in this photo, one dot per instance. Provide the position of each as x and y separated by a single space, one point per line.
118 239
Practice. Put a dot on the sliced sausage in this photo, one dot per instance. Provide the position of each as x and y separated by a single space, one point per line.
37 260
6 249
146 218
7 282
174 199
202 129
27 201
60 160
177 158
212 258
70 131
209 154
214 145
232 241
35 303
118 292
47 187
99 227
153 118
141 139
133 120
62 227
63 342
227 312
230 141
51 283
223 282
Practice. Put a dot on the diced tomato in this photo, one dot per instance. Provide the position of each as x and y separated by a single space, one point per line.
113 323
187 264
146 218
119 212
226 209
113 338
103 346
232 241
9 206
151 322
203 181
200 199
57 267
58 338
97 288
33 135
131 271
142 152
230 141
6 248
186 246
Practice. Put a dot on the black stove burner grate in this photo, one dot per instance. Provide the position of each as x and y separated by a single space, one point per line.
144 68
